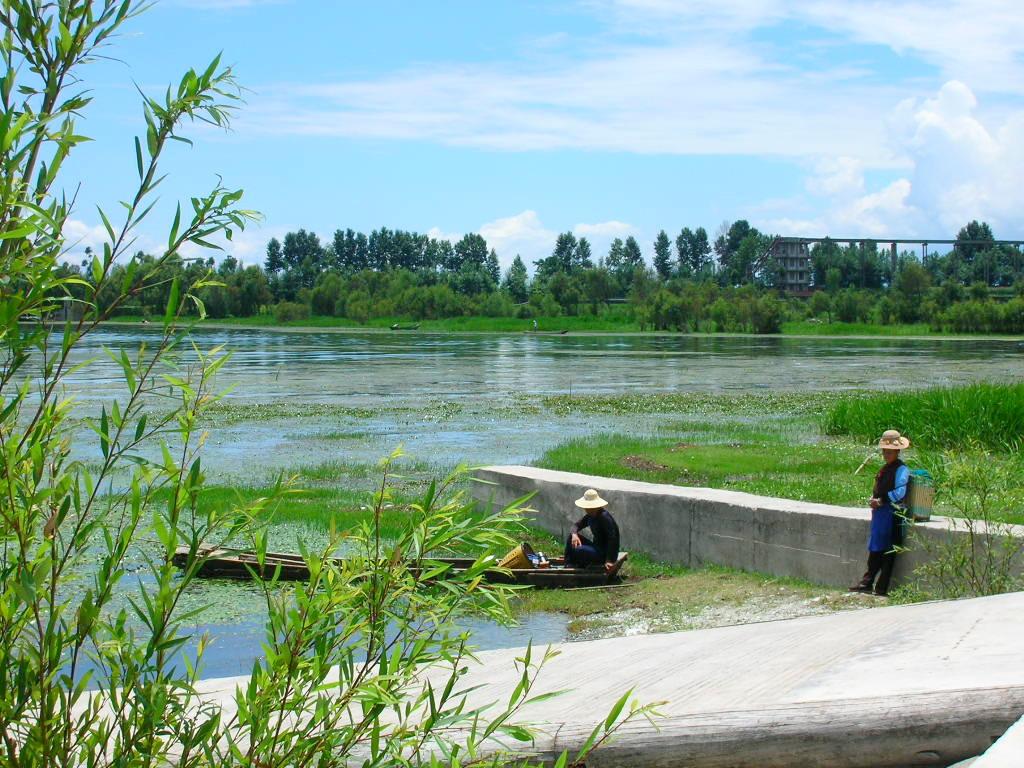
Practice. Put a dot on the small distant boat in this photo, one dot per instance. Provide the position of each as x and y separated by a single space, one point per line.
399 327
550 333
238 564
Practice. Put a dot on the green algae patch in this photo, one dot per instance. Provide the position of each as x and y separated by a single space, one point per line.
693 403
225 412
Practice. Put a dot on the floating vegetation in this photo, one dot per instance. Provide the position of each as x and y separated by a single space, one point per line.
693 402
226 412
442 410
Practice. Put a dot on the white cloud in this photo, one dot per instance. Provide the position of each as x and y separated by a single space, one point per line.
522 234
961 167
691 76
437 234
603 229
837 176
526 235
78 235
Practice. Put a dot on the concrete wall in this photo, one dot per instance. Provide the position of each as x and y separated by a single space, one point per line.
694 526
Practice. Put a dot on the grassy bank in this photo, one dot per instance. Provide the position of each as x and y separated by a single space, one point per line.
808 447
575 324
989 416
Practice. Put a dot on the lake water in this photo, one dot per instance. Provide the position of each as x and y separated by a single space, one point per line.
468 397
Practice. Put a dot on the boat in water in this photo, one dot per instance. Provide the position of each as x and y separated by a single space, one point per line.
241 564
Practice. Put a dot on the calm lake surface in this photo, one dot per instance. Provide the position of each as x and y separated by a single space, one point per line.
468 397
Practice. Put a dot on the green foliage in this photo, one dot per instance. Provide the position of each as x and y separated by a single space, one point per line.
93 615
992 415
287 311
979 554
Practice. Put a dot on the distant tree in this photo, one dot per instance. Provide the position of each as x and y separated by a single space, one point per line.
821 304
727 246
301 247
616 256
700 252
493 267
598 287
583 258
632 262
663 256
561 260
981 235
472 250
516 281
684 262
275 259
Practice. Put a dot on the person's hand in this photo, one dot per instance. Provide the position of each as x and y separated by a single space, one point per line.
875 503
575 540
609 567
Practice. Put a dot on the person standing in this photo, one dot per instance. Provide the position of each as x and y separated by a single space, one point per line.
886 530
579 550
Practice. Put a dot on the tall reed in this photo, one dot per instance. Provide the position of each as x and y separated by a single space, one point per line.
987 415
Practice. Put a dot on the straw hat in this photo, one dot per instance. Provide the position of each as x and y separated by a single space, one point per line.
893 440
590 500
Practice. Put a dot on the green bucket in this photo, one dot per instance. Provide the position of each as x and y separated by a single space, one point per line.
920 496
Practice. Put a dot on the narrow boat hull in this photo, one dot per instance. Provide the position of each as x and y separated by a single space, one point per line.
231 564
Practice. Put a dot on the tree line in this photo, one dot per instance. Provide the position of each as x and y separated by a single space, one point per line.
691 282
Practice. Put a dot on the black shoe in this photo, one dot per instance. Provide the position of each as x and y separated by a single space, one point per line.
866 588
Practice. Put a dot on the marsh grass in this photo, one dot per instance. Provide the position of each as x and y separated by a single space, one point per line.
804 328
990 416
822 473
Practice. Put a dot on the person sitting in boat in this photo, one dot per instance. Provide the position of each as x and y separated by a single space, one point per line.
579 550
886 531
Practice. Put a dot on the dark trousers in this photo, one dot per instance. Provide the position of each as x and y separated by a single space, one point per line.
880 565
585 554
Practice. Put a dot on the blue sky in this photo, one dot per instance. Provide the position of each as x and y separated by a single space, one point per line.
606 117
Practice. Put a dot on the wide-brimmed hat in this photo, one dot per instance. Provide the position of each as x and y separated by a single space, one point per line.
893 440
591 500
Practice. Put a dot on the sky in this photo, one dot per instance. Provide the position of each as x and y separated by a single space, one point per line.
607 118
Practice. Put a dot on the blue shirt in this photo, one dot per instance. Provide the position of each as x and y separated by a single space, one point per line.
902 478
883 519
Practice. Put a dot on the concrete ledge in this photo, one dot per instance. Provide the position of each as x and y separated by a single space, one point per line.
695 526
917 685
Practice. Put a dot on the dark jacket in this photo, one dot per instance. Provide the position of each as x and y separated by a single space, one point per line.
605 532
885 481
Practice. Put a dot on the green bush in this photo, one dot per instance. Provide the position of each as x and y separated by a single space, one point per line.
991 415
288 311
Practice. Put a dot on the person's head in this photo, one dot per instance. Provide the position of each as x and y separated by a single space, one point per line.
891 443
591 502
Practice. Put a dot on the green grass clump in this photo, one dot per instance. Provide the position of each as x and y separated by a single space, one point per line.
804 328
821 473
989 416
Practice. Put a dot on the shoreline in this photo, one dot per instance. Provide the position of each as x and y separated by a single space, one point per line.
373 330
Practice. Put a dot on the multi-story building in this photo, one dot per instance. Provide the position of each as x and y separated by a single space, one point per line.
793 257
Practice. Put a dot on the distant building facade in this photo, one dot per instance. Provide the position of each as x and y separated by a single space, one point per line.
793 259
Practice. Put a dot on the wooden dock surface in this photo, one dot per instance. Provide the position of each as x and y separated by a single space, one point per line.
918 685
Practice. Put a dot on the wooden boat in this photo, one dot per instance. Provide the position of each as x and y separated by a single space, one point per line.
549 333
237 564
398 327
